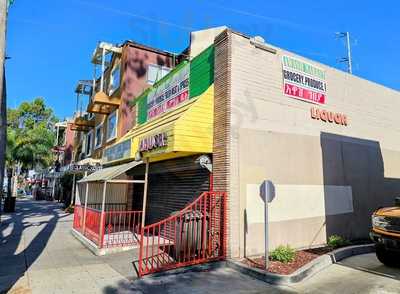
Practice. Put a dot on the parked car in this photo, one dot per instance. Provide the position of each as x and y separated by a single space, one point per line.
386 234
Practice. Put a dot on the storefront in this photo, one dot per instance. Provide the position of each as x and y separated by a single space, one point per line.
165 162
329 141
239 113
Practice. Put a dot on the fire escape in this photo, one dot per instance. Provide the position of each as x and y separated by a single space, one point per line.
102 101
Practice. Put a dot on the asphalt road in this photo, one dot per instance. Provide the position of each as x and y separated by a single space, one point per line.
357 274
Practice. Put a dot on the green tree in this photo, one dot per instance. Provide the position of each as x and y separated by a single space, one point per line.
31 132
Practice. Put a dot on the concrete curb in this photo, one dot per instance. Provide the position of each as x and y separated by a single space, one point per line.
97 251
307 270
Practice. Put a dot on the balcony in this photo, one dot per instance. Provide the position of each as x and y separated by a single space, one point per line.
59 143
104 98
82 123
101 103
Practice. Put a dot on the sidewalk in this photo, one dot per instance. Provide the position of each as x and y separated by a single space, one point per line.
38 254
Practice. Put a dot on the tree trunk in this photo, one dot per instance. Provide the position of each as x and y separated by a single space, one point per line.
9 182
15 183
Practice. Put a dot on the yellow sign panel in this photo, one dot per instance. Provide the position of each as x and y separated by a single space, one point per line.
187 130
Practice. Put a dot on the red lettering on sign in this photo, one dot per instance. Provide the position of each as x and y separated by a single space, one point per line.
328 116
304 94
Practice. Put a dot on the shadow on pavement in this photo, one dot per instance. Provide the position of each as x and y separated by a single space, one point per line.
370 264
16 260
220 280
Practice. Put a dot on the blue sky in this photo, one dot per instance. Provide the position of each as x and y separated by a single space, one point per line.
50 42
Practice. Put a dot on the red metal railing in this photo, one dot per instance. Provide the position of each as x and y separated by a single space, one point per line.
78 218
194 235
92 225
119 228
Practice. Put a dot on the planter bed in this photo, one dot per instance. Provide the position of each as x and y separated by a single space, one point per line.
302 258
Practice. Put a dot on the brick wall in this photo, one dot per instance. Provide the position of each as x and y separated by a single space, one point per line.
222 78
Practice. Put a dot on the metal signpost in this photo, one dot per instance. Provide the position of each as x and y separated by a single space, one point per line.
267 194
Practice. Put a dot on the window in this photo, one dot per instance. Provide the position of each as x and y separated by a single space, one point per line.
61 136
156 72
88 145
112 126
98 136
115 79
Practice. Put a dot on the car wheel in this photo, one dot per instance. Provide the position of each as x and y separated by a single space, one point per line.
387 257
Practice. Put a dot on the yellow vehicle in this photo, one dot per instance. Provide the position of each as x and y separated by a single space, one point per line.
386 234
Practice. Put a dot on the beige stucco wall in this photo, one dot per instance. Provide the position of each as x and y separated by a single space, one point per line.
328 177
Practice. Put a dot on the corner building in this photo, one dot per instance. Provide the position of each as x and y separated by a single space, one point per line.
330 170
240 111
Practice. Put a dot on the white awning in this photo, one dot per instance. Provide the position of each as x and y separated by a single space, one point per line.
110 173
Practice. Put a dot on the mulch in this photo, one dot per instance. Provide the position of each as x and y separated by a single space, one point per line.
302 257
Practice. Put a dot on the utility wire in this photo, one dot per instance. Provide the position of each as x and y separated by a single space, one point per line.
146 18
280 21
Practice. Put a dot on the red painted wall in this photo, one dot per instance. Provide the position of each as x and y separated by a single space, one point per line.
69 143
134 67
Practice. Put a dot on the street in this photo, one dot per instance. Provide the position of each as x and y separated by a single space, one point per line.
39 255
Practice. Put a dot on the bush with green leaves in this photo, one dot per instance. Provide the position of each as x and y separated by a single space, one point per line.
336 241
284 254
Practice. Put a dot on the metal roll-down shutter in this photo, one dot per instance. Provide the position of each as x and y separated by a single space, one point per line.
172 185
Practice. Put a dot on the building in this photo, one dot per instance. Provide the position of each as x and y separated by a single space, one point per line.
64 143
328 140
103 114
236 112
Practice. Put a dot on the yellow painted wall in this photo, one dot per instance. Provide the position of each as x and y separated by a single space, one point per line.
192 132
189 129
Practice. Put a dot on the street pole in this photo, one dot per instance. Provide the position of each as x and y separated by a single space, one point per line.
266 236
349 53
3 103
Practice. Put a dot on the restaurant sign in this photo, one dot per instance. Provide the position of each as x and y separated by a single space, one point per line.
118 151
153 142
169 93
304 81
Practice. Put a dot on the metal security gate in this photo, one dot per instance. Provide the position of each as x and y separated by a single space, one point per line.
172 185
193 235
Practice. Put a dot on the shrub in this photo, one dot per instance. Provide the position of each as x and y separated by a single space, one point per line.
336 241
70 209
283 254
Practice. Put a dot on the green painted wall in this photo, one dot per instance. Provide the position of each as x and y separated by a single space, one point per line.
200 78
142 109
201 72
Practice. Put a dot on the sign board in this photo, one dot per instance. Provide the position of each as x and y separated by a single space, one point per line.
85 167
153 142
329 116
80 168
169 93
267 191
304 81
118 151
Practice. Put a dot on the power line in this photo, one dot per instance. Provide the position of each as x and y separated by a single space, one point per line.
280 21
146 18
